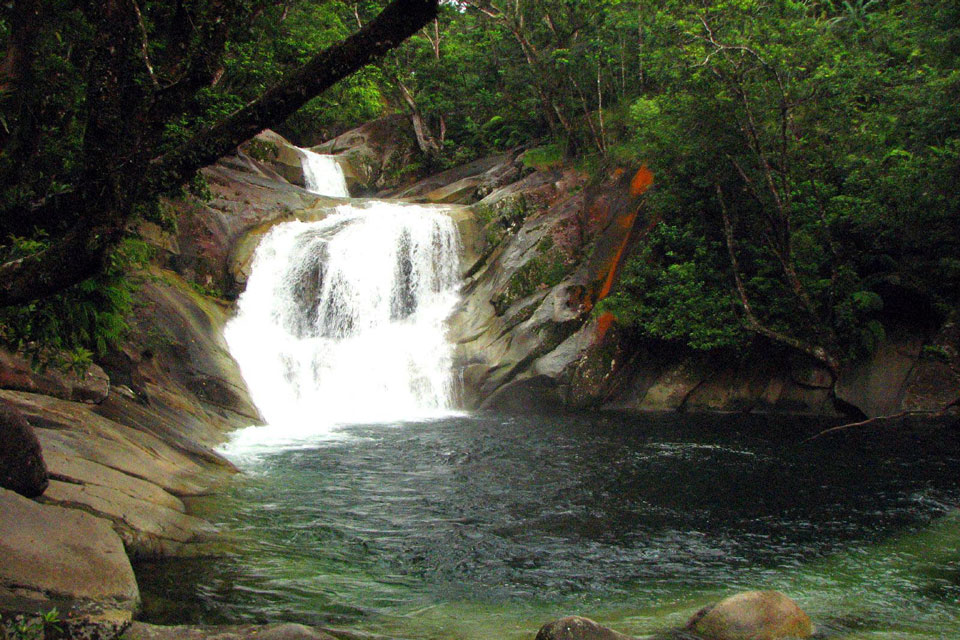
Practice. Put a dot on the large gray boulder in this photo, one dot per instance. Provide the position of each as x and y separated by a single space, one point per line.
52 556
752 615
22 468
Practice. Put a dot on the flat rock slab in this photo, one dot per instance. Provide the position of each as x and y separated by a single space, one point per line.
71 558
147 529
73 430
81 471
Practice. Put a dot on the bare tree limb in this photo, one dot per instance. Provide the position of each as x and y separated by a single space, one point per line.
933 413
144 44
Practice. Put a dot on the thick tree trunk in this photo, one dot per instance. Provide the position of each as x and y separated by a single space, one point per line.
425 140
112 164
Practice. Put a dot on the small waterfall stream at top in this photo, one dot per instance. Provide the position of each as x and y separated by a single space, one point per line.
342 320
323 175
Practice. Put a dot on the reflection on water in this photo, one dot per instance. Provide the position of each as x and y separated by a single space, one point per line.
480 525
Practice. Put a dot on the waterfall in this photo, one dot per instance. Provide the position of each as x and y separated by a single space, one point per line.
323 175
342 320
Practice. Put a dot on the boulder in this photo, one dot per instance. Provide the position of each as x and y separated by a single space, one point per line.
92 387
537 394
752 615
22 468
876 386
51 556
675 384
577 628
275 151
376 155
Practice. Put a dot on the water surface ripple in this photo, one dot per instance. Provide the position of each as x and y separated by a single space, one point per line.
480 525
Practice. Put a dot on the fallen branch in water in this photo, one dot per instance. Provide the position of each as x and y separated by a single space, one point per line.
933 413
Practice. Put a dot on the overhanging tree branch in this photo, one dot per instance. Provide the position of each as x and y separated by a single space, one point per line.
112 189
399 20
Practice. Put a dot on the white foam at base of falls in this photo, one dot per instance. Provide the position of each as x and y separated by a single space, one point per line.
342 322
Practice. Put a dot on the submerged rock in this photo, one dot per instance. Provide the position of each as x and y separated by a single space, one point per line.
22 468
752 615
286 631
577 628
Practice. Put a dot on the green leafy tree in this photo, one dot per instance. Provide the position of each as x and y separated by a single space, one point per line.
808 152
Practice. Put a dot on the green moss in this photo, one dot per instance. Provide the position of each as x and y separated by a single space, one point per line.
499 219
210 290
543 271
544 158
263 150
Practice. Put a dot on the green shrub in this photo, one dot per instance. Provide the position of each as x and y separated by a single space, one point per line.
68 329
37 627
544 158
673 291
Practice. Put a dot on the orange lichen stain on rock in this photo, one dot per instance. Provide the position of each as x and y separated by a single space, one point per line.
627 223
604 322
641 181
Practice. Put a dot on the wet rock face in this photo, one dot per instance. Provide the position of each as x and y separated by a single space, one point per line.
753 615
376 153
90 387
22 468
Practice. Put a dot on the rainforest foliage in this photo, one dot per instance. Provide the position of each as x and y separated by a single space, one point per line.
806 153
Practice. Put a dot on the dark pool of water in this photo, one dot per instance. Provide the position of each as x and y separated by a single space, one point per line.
460 526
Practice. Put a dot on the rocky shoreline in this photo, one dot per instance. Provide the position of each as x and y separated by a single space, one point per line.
751 615
124 445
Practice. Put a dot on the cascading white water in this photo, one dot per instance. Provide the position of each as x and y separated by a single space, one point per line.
323 175
342 321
